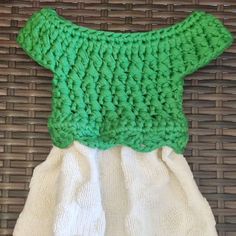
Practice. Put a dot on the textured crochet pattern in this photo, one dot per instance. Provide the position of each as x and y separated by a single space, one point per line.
113 88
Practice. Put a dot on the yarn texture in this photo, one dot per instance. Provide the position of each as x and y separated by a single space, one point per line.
113 88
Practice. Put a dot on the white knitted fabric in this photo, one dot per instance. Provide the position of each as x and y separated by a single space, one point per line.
117 192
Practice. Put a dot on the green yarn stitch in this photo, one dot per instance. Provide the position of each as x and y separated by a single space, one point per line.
113 88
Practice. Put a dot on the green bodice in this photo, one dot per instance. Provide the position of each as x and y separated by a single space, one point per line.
113 88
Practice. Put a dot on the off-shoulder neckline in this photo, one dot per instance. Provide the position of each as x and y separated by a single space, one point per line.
58 20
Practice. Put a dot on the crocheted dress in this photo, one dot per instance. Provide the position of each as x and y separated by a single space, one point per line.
118 129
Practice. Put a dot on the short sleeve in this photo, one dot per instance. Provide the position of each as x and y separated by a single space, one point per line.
36 38
203 41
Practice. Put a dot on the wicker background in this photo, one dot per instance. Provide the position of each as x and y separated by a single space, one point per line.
25 93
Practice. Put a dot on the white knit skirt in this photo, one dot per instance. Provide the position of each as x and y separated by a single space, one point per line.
84 191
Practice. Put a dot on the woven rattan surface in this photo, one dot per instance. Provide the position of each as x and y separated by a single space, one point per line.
25 95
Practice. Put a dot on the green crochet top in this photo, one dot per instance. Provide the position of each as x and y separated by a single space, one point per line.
113 88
